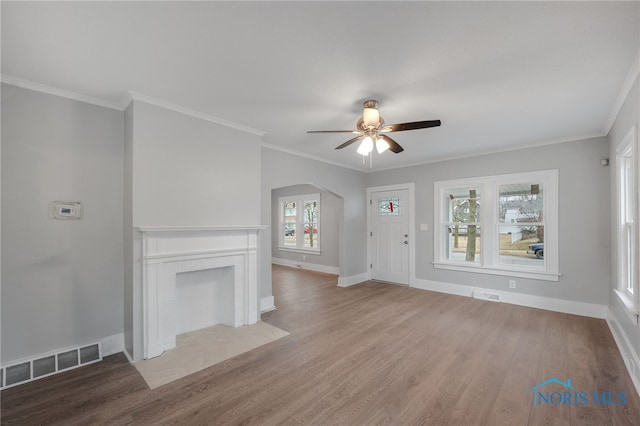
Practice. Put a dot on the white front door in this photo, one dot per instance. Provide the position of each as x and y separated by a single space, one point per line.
389 236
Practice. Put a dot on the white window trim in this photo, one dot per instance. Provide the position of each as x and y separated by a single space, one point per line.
631 301
489 253
304 250
628 304
299 199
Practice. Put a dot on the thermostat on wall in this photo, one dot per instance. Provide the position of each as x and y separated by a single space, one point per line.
67 210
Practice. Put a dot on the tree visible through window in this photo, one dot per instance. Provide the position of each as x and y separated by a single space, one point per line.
463 224
310 222
300 222
505 225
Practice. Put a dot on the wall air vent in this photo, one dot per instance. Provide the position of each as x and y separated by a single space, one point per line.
482 295
27 370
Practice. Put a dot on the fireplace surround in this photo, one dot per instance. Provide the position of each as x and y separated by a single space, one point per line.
169 251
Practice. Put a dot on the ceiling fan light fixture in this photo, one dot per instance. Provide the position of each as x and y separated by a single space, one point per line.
371 118
381 145
370 129
366 146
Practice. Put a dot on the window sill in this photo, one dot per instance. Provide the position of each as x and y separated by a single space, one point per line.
478 269
316 252
628 304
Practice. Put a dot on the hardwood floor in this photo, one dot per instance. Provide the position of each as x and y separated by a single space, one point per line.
368 354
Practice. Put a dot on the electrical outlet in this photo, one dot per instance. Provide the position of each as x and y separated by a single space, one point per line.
512 283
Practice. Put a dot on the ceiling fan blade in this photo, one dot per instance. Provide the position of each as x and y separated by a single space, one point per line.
334 131
349 142
414 125
393 145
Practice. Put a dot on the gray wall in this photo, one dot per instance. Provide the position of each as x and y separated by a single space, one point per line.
584 232
627 117
61 280
183 171
280 169
188 171
331 214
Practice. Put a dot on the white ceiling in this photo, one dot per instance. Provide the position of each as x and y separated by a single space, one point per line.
499 75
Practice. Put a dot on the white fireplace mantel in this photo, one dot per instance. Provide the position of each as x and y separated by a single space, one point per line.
201 228
169 251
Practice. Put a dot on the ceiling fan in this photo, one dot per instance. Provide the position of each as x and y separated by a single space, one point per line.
371 129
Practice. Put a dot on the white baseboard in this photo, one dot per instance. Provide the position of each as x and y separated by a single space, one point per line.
113 344
267 304
305 265
342 281
457 289
352 280
548 303
129 357
629 355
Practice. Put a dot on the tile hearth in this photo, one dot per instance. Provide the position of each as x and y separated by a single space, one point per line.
200 349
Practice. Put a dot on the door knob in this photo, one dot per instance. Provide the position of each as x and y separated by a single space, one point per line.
406 242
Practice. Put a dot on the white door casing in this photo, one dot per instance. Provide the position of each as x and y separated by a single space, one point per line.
390 240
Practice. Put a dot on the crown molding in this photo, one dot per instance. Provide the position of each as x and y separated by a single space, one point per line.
128 97
440 159
309 156
50 90
633 73
131 96
126 100
495 151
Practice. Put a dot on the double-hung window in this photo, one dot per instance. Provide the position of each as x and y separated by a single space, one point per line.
300 223
503 225
462 227
626 168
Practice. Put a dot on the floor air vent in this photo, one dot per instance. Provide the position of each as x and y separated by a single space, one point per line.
28 370
482 295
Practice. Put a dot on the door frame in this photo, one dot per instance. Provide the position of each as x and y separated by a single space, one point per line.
410 187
